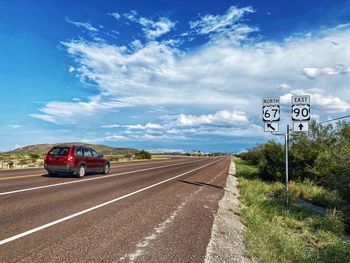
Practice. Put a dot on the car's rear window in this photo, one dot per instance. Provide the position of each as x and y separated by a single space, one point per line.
59 151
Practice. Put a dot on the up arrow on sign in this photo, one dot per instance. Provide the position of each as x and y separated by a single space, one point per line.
302 126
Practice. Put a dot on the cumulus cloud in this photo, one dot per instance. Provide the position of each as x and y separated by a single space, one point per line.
220 117
314 72
319 100
283 86
84 25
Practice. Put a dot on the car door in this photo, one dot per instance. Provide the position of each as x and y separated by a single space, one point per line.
99 161
88 159
78 155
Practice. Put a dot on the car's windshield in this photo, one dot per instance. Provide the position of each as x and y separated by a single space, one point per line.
59 151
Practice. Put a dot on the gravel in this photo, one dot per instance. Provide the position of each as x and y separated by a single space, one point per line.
227 243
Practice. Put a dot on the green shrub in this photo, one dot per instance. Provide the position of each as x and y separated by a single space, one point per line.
143 155
271 164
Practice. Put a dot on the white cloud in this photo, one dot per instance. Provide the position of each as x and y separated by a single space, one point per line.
71 112
116 15
151 28
319 100
84 25
283 86
227 25
154 29
220 117
314 72
44 117
143 127
136 44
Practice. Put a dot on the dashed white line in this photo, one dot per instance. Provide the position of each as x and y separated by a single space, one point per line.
160 228
29 232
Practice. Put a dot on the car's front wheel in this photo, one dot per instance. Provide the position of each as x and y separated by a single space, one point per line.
81 171
106 169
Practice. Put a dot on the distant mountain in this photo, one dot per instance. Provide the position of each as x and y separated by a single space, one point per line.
100 148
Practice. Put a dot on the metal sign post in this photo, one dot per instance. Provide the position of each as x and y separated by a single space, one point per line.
286 145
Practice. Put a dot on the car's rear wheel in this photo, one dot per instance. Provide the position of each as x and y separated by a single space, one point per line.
106 168
81 171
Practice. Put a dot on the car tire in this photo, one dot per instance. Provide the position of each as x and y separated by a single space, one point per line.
106 168
52 174
81 171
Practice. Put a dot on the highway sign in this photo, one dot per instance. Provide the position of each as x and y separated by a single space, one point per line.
301 112
271 126
271 101
299 100
271 109
302 126
271 113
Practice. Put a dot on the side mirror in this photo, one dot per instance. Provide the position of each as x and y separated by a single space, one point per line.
101 156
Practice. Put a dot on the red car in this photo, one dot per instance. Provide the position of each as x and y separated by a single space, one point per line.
75 159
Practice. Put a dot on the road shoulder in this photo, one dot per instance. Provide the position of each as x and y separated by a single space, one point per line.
227 242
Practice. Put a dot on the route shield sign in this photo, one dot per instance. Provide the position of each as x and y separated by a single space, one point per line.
271 109
301 113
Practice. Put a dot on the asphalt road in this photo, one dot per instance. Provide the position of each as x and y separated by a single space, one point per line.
159 211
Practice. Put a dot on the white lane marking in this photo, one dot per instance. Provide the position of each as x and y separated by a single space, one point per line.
160 228
90 179
26 233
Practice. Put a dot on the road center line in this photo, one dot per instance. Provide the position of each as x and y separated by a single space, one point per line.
19 176
29 232
131 164
94 178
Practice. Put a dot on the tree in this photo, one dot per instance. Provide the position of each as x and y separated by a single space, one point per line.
271 164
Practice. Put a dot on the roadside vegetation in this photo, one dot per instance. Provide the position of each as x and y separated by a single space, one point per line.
302 235
320 175
321 157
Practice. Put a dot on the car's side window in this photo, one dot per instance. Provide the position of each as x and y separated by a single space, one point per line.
78 152
94 153
87 153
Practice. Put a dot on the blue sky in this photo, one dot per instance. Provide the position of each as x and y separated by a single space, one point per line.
166 75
